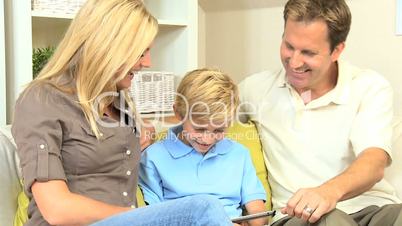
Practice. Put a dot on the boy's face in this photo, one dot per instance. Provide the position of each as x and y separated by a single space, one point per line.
203 136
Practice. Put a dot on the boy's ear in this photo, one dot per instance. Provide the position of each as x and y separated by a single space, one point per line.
176 113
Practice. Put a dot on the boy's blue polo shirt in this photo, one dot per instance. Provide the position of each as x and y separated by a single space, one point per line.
170 169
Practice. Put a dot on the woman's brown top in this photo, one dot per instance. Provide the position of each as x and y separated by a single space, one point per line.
55 142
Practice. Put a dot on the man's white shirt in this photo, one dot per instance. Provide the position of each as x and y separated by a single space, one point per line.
305 145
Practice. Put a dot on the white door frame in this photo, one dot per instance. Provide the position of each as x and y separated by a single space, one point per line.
3 92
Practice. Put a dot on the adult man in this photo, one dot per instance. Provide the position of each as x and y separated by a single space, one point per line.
325 125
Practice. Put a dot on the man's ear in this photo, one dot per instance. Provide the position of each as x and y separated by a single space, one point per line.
337 51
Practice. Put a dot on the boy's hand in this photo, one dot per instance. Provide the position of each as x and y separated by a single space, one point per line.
147 136
242 224
256 206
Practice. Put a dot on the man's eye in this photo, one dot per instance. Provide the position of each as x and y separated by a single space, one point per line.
308 53
289 46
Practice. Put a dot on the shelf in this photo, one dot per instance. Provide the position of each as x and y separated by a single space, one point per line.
177 23
175 47
36 13
50 15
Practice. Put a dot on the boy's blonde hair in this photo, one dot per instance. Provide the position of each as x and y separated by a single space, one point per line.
207 96
103 42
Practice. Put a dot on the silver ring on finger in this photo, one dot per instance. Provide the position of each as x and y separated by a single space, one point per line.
308 209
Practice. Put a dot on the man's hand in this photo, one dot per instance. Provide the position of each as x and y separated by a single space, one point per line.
310 204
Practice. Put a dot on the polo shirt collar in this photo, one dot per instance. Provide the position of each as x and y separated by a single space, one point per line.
174 145
281 82
342 90
178 148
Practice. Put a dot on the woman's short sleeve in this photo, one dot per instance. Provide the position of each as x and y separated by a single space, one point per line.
38 133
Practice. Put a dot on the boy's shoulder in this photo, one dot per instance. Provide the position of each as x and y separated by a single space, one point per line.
156 147
234 146
161 147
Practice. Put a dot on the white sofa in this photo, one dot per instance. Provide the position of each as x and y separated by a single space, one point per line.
10 173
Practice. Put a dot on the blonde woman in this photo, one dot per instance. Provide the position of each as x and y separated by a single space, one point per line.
75 135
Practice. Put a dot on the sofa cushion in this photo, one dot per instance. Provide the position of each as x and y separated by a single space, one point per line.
9 180
21 216
247 135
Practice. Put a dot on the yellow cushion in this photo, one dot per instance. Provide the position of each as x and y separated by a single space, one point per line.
21 216
246 134
140 197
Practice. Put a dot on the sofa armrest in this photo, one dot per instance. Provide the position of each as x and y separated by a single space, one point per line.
393 174
9 178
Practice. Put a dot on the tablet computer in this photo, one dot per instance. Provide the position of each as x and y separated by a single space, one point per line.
253 216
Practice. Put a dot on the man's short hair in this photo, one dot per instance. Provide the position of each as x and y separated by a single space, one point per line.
335 13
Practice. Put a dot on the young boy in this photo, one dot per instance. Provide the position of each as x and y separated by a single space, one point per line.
196 158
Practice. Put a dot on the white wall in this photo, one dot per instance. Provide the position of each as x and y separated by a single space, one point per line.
246 40
18 51
201 37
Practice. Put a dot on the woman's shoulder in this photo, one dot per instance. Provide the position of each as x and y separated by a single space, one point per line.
44 94
45 99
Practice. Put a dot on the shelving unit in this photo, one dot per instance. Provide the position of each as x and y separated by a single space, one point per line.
175 48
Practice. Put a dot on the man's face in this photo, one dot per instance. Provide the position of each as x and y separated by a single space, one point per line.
306 56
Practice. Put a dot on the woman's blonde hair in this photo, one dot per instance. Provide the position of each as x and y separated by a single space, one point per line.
207 95
102 44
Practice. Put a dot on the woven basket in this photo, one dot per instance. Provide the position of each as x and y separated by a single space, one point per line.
153 91
57 6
